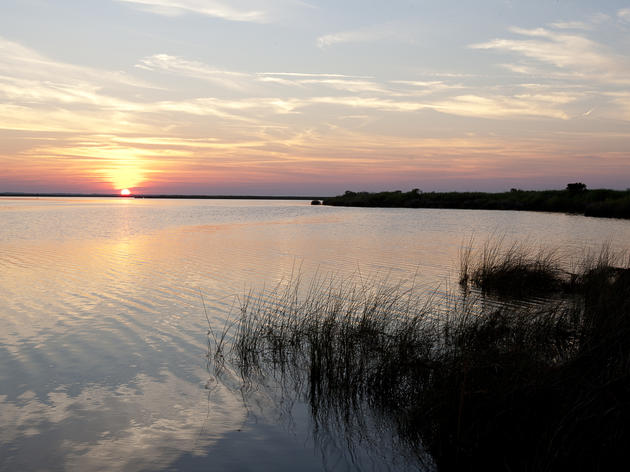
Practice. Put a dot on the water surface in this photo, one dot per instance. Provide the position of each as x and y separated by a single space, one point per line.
103 333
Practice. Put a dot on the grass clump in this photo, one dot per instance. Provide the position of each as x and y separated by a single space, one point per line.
464 385
520 270
516 270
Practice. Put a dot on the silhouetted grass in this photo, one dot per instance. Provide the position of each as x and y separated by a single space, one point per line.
464 384
515 270
519 270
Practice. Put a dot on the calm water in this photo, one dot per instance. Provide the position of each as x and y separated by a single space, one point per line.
103 334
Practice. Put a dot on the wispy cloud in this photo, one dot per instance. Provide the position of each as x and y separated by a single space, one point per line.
312 75
40 94
524 105
565 51
244 81
424 87
194 69
624 14
375 103
387 31
558 49
575 25
250 11
246 110
81 99
622 100
347 83
471 105
217 9
22 61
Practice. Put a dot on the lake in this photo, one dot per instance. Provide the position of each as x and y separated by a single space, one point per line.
103 332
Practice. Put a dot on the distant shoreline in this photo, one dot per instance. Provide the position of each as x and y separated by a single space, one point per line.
140 196
602 203
576 199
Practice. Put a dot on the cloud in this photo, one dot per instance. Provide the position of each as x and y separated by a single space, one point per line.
348 83
250 11
561 50
82 99
382 104
172 422
558 49
505 106
64 121
388 31
355 84
243 81
25 62
194 69
40 94
622 101
579 25
424 87
211 8
311 75
624 14
246 110
471 105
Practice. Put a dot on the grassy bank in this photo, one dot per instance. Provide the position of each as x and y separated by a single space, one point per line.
463 385
599 202
520 270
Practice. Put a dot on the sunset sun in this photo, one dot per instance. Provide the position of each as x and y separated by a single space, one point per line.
125 192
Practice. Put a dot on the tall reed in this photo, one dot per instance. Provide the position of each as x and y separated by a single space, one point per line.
465 385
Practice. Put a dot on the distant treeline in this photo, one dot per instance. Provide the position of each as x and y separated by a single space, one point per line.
576 198
137 195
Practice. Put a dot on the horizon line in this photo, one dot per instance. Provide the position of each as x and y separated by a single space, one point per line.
148 195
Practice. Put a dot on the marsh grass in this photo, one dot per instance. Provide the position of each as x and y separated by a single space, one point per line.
521 269
517 269
463 385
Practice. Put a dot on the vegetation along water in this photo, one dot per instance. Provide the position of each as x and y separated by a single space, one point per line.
576 198
465 385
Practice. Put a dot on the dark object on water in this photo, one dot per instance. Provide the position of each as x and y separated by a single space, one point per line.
316 202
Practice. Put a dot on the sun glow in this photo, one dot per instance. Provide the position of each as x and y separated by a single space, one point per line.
125 192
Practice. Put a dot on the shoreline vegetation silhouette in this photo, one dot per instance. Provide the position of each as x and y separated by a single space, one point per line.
482 380
174 196
576 198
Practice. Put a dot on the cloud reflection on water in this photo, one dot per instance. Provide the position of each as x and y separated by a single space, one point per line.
145 424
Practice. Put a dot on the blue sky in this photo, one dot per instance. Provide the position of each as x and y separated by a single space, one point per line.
297 97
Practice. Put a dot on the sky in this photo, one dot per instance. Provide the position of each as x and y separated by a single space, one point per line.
292 97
